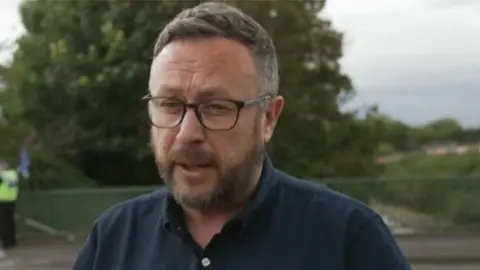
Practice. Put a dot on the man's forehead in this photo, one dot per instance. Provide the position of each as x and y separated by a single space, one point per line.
202 92
210 59
207 52
203 82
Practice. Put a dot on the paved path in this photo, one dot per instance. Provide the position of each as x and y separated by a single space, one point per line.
450 248
59 257
446 267
457 253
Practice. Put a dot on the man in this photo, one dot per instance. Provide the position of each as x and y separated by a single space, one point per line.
213 105
8 196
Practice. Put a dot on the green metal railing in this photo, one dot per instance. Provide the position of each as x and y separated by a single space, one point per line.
72 210
425 204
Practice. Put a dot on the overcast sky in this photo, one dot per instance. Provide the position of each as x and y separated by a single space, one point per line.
417 59
10 24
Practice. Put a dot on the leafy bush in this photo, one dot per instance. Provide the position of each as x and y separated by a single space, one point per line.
50 172
463 207
419 164
47 170
454 199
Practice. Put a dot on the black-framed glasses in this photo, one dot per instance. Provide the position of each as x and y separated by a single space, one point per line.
214 114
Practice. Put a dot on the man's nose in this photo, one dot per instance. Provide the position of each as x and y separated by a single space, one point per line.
190 128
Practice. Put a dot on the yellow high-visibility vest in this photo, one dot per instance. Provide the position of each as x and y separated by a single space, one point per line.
8 186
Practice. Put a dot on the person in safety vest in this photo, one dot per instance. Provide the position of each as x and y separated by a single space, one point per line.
8 197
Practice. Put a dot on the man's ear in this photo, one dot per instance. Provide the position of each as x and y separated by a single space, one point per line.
273 112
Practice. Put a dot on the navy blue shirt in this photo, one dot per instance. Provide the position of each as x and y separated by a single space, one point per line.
289 224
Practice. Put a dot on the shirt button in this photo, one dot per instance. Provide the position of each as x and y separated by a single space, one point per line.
206 262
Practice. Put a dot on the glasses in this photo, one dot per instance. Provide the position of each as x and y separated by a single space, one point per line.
213 114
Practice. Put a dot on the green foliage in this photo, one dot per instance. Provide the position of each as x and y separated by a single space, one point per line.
385 149
410 138
435 166
462 207
48 171
10 141
452 193
82 66
452 199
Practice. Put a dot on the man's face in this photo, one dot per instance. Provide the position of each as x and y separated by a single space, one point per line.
206 169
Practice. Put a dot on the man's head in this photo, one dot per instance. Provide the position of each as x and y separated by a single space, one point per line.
219 59
3 165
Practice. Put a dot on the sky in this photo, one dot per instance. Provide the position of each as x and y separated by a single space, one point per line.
10 25
418 60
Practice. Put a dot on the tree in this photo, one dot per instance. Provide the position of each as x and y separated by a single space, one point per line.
444 129
314 138
82 67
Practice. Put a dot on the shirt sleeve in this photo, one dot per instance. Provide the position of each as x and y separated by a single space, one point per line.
86 258
373 247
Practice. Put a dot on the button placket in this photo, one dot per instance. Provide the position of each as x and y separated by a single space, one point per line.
205 262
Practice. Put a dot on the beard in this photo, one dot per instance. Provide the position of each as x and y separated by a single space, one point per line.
232 180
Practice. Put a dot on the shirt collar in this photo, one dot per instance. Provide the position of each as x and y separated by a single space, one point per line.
172 216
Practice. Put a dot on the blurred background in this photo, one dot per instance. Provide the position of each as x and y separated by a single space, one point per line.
381 103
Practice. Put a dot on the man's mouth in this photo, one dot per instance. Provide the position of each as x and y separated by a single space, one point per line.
192 166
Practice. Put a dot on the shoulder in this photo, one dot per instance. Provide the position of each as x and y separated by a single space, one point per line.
348 225
324 204
131 211
115 227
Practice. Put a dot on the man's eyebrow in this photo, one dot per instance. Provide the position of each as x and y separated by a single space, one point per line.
212 92
165 89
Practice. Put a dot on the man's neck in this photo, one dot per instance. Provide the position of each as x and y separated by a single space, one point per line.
215 218
220 214
204 225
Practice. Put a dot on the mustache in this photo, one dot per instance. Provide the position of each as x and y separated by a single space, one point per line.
192 156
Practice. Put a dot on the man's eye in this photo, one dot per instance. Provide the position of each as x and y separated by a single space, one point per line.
171 104
214 106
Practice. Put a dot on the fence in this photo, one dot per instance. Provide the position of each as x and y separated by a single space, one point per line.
415 204
71 210
430 205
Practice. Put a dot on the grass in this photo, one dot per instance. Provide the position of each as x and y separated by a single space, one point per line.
421 164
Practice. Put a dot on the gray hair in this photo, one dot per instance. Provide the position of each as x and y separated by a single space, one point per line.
221 20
